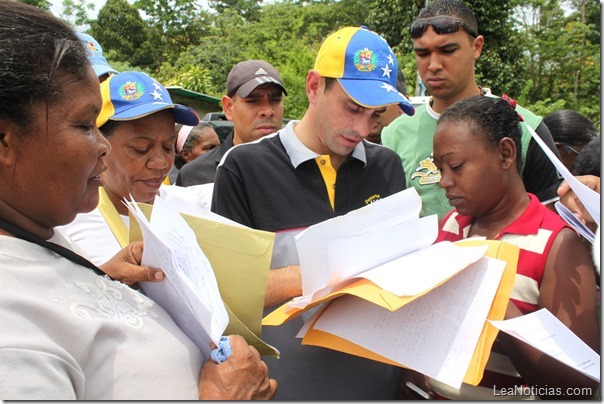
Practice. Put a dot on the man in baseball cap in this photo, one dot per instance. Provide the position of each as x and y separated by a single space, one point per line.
312 170
365 67
254 102
247 75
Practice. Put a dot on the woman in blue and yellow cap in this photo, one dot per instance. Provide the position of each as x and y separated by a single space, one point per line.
138 118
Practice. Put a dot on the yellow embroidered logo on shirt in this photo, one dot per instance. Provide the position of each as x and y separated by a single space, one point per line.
372 198
427 172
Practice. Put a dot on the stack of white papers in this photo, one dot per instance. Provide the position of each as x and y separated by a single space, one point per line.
390 294
347 245
574 222
435 334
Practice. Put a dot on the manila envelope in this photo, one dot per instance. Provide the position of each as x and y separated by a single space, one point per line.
240 258
359 287
496 249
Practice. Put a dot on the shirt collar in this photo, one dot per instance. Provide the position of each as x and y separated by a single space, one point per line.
529 221
432 112
436 115
298 153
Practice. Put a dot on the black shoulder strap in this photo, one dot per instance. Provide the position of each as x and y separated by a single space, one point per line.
59 249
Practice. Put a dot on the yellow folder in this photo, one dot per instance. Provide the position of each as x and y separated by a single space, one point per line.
240 258
359 287
496 249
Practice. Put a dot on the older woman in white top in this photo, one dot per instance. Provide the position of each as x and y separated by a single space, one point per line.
68 332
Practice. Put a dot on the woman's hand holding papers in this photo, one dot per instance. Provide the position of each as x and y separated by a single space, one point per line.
243 376
570 200
126 267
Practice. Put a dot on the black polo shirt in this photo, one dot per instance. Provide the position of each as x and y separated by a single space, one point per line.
275 184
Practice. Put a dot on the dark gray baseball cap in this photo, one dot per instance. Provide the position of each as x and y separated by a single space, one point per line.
247 75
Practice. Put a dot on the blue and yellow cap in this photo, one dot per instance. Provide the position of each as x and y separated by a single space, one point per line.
365 67
95 55
133 95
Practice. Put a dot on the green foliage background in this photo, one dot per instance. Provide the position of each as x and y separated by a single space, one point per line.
544 53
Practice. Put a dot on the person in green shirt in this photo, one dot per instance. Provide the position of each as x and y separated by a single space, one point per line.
447 45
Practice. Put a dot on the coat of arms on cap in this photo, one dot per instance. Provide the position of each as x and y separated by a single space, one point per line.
260 72
365 60
131 91
91 47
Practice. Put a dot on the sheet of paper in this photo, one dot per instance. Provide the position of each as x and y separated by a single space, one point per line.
407 275
351 255
543 331
183 200
587 196
362 239
240 259
435 334
575 223
422 270
190 292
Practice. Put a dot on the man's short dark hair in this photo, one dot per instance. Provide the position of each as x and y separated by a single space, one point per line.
451 8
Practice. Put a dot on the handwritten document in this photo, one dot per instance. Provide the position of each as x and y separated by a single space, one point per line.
189 293
420 271
409 275
435 334
543 331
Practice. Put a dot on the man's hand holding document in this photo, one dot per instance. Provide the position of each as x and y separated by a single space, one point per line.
400 298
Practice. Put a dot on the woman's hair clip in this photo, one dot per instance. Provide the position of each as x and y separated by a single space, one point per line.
512 104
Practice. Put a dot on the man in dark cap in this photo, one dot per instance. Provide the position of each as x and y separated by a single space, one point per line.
254 102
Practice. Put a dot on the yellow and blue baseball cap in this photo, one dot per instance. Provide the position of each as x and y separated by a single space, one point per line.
133 95
95 55
365 67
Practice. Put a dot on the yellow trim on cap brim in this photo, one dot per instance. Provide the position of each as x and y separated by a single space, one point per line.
107 110
143 115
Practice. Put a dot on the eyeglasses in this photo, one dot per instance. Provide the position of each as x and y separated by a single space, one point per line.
441 24
567 147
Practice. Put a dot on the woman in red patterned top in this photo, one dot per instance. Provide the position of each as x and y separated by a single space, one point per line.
476 145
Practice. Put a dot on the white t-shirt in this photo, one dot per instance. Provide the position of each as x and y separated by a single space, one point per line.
68 333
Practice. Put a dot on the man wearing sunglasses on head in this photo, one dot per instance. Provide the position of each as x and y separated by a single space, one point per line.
447 45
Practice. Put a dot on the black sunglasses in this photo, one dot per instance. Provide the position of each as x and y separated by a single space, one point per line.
441 25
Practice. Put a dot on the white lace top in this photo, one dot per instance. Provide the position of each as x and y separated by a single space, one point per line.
67 333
